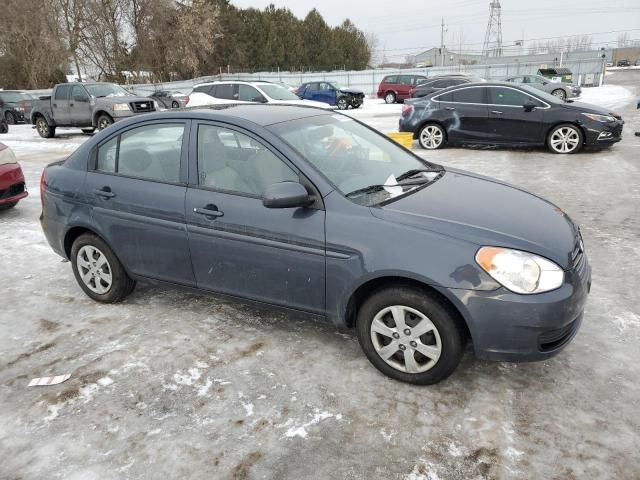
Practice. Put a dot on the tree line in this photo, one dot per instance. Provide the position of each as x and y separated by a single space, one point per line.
162 40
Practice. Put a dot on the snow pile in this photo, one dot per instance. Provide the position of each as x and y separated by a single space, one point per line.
609 96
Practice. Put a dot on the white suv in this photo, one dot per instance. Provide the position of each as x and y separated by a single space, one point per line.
257 92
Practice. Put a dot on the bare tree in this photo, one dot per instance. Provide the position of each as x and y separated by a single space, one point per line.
72 17
623 39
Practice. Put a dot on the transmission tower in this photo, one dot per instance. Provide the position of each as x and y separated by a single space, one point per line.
492 46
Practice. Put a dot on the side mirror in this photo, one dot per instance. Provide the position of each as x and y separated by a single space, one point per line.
78 98
529 106
286 195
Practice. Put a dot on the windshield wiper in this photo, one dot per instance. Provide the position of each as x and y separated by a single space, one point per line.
376 188
413 172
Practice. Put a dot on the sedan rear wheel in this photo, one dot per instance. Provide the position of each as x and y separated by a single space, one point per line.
431 136
98 271
565 139
390 97
560 93
409 335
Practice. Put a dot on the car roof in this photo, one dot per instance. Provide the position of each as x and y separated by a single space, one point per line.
261 114
246 82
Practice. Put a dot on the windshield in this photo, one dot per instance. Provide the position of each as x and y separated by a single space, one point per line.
278 92
14 97
364 165
547 97
106 90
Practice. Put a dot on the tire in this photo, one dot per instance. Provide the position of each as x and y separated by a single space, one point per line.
10 118
565 139
4 126
98 271
432 136
560 93
88 131
342 103
175 104
7 206
439 337
44 129
104 121
390 97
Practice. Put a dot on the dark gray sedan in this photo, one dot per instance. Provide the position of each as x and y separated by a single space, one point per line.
313 211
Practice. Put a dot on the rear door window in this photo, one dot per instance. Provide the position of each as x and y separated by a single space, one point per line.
469 95
419 79
225 91
62 92
150 152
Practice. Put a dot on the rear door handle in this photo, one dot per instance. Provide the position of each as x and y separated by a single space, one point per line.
209 211
104 192
497 112
449 108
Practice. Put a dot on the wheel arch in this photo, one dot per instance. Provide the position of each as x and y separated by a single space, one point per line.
558 123
366 289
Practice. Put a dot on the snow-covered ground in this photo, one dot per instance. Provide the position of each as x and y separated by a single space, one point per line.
171 384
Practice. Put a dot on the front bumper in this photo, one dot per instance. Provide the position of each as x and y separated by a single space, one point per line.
12 185
602 134
520 328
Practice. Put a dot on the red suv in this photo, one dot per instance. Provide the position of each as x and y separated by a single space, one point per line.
394 88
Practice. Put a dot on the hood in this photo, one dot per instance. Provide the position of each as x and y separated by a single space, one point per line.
123 99
587 108
484 211
354 91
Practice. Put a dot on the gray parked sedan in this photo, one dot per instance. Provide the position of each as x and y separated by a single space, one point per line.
170 99
313 211
561 90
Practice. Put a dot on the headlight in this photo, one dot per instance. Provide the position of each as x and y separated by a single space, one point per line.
121 107
600 118
520 272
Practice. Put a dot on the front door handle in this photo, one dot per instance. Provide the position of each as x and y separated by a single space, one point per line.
497 112
449 108
104 192
209 211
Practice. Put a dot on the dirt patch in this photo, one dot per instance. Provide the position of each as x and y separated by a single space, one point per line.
252 349
48 325
241 471
92 377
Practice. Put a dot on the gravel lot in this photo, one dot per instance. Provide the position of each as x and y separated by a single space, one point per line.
177 385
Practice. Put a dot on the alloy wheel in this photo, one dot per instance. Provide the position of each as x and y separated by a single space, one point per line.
94 269
565 140
390 98
43 128
103 123
342 104
560 94
406 339
431 137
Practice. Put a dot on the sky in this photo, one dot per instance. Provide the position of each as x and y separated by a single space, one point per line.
410 26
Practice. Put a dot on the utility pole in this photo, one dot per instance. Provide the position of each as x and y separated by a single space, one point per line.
442 30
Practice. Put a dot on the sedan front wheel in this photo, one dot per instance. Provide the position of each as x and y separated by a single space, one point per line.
565 138
343 104
410 335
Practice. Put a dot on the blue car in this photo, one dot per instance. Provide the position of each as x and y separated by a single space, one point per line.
311 210
331 93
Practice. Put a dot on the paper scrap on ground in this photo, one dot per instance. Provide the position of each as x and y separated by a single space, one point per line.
44 381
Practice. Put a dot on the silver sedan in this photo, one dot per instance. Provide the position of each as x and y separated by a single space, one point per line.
561 90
